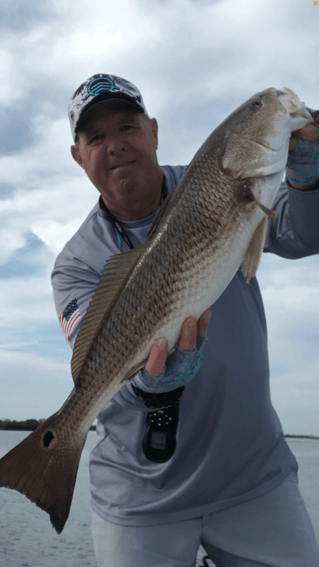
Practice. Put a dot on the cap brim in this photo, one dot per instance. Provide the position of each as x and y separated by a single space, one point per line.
103 101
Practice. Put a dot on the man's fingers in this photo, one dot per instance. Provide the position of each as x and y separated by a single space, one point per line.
157 358
188 334
203 322
191 328
310 133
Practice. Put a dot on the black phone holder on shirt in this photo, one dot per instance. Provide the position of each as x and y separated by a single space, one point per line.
159 441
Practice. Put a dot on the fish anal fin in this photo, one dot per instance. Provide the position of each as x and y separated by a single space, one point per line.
254 251
116 273
160 214
44 470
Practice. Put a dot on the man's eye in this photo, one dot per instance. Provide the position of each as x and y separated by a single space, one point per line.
124 127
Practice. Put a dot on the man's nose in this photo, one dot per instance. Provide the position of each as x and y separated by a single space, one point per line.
114 146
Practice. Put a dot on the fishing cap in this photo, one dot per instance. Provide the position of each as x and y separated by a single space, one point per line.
99 88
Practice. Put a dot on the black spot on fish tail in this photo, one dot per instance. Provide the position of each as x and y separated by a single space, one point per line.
47 438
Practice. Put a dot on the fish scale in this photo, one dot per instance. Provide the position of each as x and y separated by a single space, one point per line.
179 286
211 224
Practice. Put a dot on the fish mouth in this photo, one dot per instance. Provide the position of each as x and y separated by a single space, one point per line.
121 165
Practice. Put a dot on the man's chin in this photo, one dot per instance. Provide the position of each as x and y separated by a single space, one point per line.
124 186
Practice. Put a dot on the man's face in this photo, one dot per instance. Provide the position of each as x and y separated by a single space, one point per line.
117 150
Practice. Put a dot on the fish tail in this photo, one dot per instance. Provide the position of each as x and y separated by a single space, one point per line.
43 467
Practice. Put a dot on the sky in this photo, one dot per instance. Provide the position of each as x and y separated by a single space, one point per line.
195 61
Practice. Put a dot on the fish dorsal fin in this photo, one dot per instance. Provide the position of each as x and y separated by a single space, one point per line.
116 273
254 251
160 214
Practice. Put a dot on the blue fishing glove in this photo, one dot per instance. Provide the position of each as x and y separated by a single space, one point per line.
180 367
303 161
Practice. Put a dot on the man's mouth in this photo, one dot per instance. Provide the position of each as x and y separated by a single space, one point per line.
121 165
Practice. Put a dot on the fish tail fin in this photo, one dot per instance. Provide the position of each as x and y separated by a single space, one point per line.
43 467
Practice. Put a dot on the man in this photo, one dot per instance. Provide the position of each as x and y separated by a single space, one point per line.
219 471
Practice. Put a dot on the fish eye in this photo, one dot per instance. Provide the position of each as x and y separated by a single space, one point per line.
257 103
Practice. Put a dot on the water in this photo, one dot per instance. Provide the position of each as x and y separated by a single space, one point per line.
27 538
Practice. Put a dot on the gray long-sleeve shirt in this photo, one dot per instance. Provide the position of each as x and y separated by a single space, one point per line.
230 443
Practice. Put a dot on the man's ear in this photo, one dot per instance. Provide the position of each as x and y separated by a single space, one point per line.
154 127
75 151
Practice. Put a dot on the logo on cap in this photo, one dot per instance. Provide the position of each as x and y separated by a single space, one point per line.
100 85
88 94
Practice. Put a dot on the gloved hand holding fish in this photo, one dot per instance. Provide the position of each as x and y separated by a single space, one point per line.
180 366
303 160
212 223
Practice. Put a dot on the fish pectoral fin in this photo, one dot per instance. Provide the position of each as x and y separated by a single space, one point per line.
44 470
246 192
116 272
271 214
251 261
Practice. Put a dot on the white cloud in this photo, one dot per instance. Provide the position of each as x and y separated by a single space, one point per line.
39 211
26 300
28 362
44 176
11 91
290 291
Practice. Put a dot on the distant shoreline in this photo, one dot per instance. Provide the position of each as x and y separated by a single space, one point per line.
31 424
27 425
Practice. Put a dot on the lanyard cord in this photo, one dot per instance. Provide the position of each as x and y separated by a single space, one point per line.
120 230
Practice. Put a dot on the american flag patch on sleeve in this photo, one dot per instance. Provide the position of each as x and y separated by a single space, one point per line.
69 318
